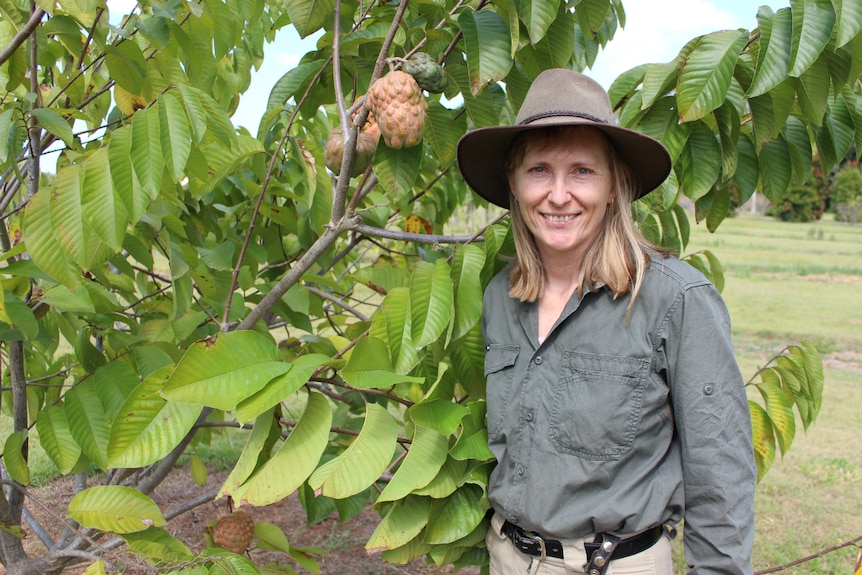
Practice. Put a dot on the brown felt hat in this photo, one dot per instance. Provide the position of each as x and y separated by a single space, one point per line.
558 97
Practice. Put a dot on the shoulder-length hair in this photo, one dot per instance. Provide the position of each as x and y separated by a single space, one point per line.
618 257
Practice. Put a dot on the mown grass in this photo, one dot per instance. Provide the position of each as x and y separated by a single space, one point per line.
787 282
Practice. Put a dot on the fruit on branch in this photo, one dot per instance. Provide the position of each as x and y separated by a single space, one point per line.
427 72
333 154
370 125
399 107
234 532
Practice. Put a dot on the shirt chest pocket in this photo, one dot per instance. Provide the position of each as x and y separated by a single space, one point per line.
499 367
597 405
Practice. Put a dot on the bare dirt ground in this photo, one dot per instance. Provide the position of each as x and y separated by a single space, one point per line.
343 542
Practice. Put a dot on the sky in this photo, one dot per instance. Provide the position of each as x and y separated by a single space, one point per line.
655 32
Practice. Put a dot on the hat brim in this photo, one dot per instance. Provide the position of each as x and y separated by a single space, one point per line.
483 153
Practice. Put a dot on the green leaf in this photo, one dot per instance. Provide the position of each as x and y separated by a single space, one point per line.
57 125
88 423
397 169
774 55
104 212
813 21
198 470
456 516
126 65
849 13
148 427
442 132
148 162
362 463
308 16
156 544
764 439
775 169
451 476
780 411
537 16
175 135
401 524
707 73
442 415
293 461
56 438
466 276
13 458
369 366
265 427
281 387
393 327
225 369
813 91
425 457
747 170
430 301
487 47
700 161
125 185
115 509
657 81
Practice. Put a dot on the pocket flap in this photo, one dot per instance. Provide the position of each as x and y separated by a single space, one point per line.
499 357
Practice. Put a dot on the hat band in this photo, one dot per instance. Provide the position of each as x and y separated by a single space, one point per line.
556 113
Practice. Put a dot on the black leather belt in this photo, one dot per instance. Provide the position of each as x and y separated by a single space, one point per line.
536 545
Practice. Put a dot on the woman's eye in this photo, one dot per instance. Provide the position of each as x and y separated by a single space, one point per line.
583 171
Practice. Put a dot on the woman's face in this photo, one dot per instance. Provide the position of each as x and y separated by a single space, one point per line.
563 186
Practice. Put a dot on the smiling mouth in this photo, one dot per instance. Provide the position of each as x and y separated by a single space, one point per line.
559 219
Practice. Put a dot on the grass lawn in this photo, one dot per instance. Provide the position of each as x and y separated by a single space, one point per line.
784 283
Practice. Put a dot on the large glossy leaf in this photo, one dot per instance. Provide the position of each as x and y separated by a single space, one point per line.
103 210
225 369
431 301
813 91
813 21
148 163
13 457
700 161
56 438
362 463
148 427
308 16
126 186
54 123
487 46
88 423
156 544
442 131
775 168
393 326
764 439
774 56
114 508
457 516
369 366
779 408
466 276
293 461
403 522
537 16
707 72
281 387
174 134
849 13
397 169
426 456
440 414
253 452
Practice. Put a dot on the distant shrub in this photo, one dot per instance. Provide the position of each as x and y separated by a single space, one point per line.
806 203
845 194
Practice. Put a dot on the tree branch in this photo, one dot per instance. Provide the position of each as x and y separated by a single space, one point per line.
22 35
417 238
818 555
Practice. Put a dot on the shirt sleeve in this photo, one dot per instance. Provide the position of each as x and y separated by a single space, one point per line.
713 424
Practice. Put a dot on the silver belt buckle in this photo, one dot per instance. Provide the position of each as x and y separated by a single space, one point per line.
538 539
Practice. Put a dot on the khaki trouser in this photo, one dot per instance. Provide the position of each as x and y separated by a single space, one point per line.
506 560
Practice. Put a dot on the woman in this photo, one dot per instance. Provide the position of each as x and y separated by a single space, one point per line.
615 405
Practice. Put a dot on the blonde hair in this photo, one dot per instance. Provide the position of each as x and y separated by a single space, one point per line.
618 257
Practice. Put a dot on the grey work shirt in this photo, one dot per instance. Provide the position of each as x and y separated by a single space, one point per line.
618 427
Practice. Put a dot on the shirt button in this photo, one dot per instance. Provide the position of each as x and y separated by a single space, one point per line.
528 416
512 519
539 360
521 470
708 389
487 348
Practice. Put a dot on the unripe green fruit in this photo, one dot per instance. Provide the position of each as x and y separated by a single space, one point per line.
427 72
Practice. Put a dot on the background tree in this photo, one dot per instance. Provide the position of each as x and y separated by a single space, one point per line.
179 271
845 193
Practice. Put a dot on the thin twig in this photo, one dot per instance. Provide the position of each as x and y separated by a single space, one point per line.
818 555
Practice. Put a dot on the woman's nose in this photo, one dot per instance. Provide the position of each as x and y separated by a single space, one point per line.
559 192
